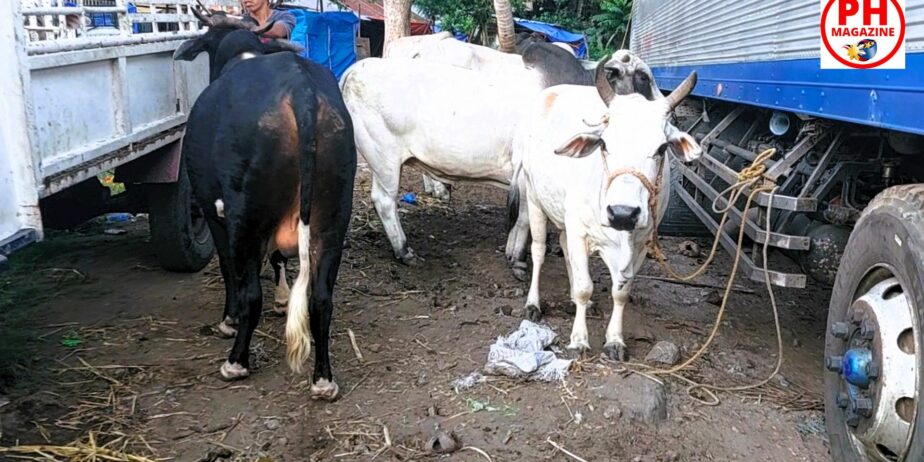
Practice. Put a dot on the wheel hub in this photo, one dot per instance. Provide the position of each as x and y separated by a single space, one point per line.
878 371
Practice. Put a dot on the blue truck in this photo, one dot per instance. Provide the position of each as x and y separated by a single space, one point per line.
849 208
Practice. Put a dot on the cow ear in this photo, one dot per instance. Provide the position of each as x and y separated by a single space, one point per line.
684 146
275 46
581 145
188 50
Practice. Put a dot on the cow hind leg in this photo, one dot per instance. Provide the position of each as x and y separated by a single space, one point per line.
537 225
226 327
322 310
250 299
384 195
518 236
281 295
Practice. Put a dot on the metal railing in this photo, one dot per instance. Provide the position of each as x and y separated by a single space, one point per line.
64 25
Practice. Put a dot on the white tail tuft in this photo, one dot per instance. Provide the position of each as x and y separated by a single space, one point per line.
297 335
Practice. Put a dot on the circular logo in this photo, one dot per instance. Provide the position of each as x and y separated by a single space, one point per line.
853 35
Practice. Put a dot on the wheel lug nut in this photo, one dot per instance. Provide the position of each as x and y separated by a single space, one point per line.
853 420
873 370
842 400
840 330
867 330
834 363
864 407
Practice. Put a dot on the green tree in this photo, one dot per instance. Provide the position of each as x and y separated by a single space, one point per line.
605 22
470 17
611 23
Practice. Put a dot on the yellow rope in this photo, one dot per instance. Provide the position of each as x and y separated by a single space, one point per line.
747 177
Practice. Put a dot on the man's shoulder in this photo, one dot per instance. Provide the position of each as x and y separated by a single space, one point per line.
282 14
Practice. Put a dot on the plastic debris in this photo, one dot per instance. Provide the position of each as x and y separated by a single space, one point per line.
409 198
118 217
522 354
468 382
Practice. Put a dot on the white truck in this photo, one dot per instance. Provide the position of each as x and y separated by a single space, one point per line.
90 86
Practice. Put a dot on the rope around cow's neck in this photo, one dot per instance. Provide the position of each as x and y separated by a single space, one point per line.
748 177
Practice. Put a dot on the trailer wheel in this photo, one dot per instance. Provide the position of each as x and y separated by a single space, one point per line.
873 347
178 228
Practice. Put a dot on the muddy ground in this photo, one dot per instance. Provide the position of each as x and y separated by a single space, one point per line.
97 340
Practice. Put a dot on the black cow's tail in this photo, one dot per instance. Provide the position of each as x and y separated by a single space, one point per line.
298 337
513 199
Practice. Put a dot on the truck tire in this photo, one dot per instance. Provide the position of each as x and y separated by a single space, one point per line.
679 220
874 347
179 233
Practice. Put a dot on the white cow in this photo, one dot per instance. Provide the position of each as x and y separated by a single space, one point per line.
564 159
453 123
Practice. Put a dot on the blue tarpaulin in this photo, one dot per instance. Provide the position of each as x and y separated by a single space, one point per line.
328 38
458 35
556 34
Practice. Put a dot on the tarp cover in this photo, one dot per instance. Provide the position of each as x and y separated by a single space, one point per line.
556 34
328 38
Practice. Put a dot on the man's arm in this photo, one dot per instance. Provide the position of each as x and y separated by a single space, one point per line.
285 22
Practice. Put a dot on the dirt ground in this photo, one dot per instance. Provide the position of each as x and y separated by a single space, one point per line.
98 341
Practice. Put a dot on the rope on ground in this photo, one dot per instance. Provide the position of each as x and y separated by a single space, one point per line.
747 178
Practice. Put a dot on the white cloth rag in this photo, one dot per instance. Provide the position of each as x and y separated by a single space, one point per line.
521 354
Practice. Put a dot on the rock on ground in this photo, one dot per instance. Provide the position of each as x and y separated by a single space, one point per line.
664 352
641 399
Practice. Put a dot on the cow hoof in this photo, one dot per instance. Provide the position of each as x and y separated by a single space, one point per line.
225 329
533 313
615 352
324 390
282 302
520 273
577 348
233 371
409 258
281 308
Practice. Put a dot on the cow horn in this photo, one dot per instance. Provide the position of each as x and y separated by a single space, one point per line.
682 90
603 85
202 17
262 30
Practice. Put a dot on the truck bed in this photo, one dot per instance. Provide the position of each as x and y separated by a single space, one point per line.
765 53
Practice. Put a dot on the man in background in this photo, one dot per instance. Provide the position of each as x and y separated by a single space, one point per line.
260 11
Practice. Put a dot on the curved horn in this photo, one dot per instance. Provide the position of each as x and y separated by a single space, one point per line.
262 30
202 17
603 85
506 36
682 90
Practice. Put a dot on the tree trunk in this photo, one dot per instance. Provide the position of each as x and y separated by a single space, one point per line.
505 34
397 21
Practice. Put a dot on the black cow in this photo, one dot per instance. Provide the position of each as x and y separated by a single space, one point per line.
271 159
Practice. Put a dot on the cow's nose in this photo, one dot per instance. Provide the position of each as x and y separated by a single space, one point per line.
622 217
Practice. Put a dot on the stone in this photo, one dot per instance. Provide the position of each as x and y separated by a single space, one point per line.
664 352
712 297
612 412
640 399
375 348
272 424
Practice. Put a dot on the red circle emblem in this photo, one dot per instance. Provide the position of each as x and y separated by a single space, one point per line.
898 44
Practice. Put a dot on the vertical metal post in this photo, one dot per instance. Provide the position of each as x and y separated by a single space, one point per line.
120 96
18 158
